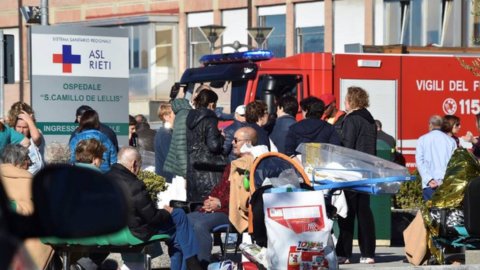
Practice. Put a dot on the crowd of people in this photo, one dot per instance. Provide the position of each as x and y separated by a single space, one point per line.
190 145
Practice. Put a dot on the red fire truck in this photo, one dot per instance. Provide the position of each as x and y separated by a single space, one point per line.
405 90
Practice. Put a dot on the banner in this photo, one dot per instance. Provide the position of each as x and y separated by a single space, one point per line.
74 66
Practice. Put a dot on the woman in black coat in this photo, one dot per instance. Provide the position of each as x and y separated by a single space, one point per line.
359 132
204 147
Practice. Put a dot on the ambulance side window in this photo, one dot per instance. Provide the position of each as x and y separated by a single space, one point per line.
276 86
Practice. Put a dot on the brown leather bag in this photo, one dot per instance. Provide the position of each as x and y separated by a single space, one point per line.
415 238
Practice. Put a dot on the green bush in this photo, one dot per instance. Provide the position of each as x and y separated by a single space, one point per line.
410 194
155 183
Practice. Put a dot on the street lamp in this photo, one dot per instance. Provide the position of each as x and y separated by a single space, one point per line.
31 14
212 32
260 34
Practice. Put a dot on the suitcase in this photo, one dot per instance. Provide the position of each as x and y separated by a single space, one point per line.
471 201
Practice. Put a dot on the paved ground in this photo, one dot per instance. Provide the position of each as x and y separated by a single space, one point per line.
387 258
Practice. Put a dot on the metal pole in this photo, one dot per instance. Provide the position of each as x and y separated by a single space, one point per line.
2 77
20 46
249 20
44 12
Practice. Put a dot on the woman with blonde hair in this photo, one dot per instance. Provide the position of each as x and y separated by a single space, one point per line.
359 132
22 118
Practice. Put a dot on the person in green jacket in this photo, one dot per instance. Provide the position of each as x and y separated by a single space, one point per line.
176 161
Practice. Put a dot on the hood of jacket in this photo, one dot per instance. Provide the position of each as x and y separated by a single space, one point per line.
364 113
196 116
309 128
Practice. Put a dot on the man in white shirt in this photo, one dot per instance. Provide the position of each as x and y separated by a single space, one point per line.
434 150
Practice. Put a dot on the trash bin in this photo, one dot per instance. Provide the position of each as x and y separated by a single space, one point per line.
381 205
381 209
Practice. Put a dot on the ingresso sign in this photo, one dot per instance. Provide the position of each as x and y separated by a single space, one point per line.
74 66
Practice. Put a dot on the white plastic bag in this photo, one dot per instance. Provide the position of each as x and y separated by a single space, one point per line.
175 191
298 231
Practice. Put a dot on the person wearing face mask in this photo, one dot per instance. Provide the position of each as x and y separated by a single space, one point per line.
163 139
205 161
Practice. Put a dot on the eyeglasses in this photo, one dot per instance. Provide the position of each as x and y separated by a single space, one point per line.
235 140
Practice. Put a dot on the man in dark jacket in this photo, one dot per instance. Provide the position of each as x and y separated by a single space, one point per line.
287 108
382 135
145 136
146 220
238 122
103 128
310 129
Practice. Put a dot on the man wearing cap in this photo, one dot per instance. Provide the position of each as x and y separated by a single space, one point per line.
103 128
332 114
238 122
287 108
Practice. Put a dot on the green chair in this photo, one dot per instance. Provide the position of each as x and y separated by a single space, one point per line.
122 241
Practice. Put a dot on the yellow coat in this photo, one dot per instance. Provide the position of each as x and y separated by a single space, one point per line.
238 208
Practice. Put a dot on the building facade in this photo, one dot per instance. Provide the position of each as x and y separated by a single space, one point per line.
165 37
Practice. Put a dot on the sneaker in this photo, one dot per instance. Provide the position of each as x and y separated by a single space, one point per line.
343 260
367 260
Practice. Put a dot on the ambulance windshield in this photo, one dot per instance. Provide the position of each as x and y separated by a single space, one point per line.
230 95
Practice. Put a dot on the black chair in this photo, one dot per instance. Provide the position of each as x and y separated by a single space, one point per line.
227 229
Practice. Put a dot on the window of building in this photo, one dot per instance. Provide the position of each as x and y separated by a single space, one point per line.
16 41
310 39
274 17
452 24
139 45
394 13
236 25
309 27
197 44
349 24
422 22
163 46
475 29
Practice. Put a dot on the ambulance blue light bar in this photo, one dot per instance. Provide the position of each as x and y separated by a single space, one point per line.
256 55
